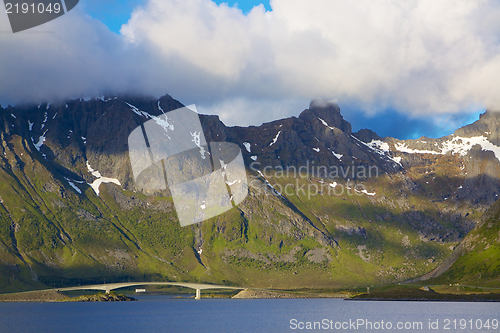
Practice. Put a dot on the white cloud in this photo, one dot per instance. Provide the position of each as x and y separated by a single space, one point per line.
243 111
71 56
419 56
422 56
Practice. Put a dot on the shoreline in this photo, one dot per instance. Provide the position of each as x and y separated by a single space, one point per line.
54 296
422 300
268 294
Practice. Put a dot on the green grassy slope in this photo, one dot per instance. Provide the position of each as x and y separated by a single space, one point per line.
52 235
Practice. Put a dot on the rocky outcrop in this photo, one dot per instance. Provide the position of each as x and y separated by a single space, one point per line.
111 297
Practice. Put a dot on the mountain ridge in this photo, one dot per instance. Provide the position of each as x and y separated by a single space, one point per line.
356 229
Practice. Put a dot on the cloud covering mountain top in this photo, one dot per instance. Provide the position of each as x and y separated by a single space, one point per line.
421 57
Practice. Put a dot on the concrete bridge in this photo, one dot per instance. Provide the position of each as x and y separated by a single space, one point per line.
112 286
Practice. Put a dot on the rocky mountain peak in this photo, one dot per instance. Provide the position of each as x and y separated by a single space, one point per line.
328 112
169 103
488 125
366 135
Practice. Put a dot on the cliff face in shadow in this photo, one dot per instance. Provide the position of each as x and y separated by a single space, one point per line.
475 261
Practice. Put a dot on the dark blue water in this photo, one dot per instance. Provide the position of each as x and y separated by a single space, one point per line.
164 314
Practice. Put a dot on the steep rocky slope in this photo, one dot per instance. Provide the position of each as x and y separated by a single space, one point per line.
476 260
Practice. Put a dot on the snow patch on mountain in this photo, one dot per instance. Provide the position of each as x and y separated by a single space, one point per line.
100 179
339 156
381 148
44 120
275 139
461 146
197 142
269 184
161 121
363 191
404 149
366 192
379 145
325 123
457 145
95 185
139 112
70 182
40 142
160 108
247 146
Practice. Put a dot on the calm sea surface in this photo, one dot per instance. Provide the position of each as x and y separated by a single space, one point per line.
164 314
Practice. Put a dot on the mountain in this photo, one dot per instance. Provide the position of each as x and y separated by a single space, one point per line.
326 207
474 262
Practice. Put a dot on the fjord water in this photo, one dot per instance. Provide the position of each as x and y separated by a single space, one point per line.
165 314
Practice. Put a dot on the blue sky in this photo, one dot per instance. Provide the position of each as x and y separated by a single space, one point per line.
115 13
246 5
398 125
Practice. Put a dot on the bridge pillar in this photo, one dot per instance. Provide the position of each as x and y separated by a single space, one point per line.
198 294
